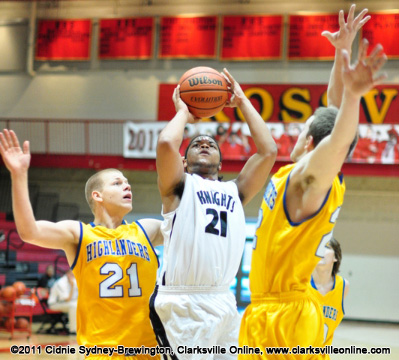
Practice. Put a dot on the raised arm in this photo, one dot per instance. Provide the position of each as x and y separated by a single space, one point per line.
62 235
316 171
169 161
342 40
256 170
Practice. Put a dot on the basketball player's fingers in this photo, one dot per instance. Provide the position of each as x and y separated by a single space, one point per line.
351 15
26 147
359 18
362 22
364 45
380 78
379 63
376 51
2 140
341 19
14 139
328 35
7 138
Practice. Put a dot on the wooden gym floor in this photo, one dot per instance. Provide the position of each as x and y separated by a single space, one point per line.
360 334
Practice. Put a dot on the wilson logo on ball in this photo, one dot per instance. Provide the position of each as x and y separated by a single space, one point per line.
204 81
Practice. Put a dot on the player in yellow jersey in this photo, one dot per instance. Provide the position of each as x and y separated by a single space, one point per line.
114 262
330 289
299 210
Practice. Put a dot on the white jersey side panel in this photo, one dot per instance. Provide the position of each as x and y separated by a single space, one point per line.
205 236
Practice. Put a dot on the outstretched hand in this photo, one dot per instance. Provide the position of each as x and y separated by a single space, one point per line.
235 89
343 38
361 77
15 158
181 105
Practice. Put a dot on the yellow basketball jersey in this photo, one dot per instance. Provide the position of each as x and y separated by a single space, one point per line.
285 253
115 270
332 306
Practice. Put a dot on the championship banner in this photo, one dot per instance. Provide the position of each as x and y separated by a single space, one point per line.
305 41
188 37
377 144
126 38
383 28
252 37
295 103
63 40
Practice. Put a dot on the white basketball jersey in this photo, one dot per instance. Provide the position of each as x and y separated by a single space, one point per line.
205 236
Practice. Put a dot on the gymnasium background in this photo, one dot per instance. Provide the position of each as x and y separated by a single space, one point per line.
74 113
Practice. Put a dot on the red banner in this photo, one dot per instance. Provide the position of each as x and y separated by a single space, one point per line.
295 103
126 38
305 41
252 37
188 37
383 28
63 40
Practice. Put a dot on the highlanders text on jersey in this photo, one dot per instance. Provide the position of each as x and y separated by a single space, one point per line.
115 270
204 236
332 305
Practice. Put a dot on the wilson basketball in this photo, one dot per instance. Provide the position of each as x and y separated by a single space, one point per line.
19 287
204 91
9 293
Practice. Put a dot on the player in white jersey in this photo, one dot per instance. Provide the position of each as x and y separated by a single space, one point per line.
204 233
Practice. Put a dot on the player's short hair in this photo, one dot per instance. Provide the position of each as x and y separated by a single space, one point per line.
95 182
209 136
335 245
323 124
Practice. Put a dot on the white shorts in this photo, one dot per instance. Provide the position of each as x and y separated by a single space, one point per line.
198 318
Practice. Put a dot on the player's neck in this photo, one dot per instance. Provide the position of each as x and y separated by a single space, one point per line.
110 222
322 276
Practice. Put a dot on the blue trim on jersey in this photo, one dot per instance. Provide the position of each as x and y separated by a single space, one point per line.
148 239
335 279
309 217
312 283
92 224
341 178
79 245
343 295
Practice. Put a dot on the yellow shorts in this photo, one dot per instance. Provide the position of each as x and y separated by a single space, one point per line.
291 320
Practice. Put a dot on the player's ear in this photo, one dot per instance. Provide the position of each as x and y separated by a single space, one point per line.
309 143
96 195
184 163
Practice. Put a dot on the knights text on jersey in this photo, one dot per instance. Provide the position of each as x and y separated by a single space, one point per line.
286 253
115 270
204 236
332 305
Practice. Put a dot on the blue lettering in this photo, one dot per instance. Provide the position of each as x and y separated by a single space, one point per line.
201 197
100 250
123 247
207 197
223 202
88 251
129 247
147 257
118 251
228 204
141 250
215 198
106 248
111 247
134 249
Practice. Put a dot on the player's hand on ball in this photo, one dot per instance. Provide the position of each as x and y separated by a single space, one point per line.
180 105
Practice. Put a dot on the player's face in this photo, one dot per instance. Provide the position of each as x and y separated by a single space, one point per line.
116 192
329 257
300 146
203 154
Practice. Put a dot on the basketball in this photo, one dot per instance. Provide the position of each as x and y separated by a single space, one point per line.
2 308
204 91
19 287
22 323
9 293
9 322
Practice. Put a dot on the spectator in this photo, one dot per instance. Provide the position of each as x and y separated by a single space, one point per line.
48 279
64 297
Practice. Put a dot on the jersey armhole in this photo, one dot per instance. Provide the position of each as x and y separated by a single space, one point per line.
79 246
343 295
148 240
